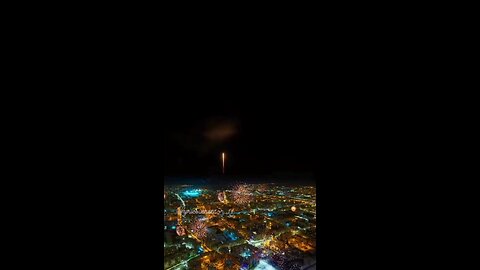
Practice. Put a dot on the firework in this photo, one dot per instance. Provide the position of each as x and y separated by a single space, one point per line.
199 228
180 230
221 196
242 194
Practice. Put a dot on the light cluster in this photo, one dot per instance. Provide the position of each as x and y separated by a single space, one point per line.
199 228
242 194
180 230
262 188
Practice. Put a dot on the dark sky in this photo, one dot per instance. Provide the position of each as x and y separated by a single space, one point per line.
269 137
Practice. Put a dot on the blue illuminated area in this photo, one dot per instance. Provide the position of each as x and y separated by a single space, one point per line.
288 224
192 193
270 214
247 253
200 250
263 265
231 235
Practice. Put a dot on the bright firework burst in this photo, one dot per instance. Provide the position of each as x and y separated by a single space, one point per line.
180 230
199 228
221 196
242 194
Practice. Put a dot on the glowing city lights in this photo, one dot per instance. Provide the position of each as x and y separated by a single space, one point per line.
192 193
260 227
264 265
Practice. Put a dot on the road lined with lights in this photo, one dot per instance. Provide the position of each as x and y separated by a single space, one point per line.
183 262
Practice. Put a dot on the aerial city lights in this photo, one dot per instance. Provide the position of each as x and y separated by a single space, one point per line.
249 226
239 181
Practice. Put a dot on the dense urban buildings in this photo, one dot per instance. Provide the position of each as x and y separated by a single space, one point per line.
240 226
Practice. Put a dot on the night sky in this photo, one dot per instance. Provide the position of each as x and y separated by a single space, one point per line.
262 138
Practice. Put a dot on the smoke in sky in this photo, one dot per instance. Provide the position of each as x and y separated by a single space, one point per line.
220 130
206 136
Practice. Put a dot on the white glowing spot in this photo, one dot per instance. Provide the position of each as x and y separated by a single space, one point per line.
263 265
